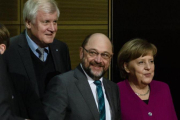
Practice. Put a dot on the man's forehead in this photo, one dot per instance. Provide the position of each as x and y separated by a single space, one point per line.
100 45
98 39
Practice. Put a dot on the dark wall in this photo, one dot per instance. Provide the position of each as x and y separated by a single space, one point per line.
157 22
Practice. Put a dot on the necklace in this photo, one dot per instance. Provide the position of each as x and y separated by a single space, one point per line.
143 94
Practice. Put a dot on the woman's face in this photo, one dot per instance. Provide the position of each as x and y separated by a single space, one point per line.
141 70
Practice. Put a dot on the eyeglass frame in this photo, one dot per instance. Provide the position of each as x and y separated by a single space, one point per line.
97 53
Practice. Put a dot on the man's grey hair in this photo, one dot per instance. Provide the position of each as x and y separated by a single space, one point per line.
31 7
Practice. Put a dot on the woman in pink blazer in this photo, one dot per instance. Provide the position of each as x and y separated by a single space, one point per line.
141 97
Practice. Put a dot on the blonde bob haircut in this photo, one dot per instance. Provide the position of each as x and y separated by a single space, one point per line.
134 49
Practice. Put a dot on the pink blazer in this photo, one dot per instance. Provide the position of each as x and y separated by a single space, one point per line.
159 107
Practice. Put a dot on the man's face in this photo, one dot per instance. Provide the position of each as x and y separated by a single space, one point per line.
95 65
43 31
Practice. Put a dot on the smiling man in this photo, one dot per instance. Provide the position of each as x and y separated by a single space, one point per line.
83 93
36 54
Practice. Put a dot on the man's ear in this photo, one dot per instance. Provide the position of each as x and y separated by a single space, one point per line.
81 53
28 24
126 67
2 48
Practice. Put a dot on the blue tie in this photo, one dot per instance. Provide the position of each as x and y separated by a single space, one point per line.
101 102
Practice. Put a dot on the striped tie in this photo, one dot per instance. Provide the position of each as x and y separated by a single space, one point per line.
101 102
41 53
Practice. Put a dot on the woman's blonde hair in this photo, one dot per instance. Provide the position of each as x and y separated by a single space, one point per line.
134 49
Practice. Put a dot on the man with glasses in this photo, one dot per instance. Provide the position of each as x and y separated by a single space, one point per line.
83 93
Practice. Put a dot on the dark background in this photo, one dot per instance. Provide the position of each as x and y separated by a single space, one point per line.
159 23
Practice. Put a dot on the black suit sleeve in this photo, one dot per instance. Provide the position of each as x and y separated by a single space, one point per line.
55 100
5 95
26 97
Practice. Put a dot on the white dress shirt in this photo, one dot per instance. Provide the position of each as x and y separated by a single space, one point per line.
93 88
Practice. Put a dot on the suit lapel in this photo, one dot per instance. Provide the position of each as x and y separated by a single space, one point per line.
85 90
109 95
24 52
55 54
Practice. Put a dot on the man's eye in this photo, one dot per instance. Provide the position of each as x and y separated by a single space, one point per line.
105 55
55 22
46 21
92 53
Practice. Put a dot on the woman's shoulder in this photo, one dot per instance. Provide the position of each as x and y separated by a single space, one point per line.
160 85
121 83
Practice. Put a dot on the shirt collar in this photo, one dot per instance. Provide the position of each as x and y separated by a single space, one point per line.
33 46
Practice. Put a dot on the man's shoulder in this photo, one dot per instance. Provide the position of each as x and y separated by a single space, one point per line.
70 75
64 75
16 38
67 74
63 78
59 42
110 82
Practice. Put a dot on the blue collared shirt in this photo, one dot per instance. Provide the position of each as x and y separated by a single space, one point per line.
33 46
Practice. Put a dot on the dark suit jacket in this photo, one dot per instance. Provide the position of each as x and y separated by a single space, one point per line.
19 62
69 97
25 102
5 95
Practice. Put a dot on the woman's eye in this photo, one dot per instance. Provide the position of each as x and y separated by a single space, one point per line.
141 62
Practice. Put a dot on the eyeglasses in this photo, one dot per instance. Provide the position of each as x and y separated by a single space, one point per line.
94 53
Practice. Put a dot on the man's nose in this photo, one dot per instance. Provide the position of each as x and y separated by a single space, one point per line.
52 26
98 58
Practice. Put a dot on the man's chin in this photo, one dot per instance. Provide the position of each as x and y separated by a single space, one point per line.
97 74
96 68
50 40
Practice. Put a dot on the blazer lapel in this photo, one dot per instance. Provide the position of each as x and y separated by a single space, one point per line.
24 52
56 57
85 90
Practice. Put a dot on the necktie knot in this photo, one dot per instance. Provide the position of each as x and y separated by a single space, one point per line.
41 53
97 82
